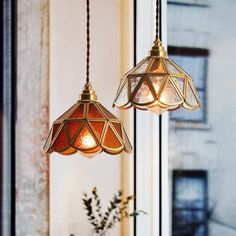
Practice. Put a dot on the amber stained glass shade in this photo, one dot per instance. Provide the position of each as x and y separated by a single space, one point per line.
89 128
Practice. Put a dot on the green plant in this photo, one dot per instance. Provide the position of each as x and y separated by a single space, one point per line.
115 212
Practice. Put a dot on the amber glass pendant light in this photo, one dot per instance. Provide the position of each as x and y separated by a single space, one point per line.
87 126
157 83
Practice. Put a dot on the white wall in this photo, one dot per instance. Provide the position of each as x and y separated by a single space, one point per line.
70 176
31 163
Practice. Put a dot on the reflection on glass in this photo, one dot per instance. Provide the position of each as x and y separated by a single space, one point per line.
190 210
195 61
202 151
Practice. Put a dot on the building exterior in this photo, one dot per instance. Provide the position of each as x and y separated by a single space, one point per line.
202 152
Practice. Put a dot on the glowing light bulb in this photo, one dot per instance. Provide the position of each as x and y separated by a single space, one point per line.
166 96
156 87
155 108
87 140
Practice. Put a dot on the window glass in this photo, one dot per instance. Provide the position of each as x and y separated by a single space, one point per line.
189 202
194 61
202 152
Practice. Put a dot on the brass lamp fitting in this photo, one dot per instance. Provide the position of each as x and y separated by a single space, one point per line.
157 49
88 93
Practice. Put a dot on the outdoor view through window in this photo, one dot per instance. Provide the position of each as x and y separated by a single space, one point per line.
202 144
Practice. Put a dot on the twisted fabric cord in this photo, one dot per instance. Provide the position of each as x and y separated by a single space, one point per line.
157 19
88 42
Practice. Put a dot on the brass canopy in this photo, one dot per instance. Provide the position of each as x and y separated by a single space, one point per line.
157 49
88 93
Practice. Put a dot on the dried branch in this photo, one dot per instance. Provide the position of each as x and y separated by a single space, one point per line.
115 212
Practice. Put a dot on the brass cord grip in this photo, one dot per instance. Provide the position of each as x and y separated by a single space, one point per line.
157 49
88 93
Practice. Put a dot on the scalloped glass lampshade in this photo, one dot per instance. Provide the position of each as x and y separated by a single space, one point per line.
89 128
157 84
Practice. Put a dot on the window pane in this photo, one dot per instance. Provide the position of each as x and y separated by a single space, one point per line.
195 62
189 211
194 65
202 152
198 115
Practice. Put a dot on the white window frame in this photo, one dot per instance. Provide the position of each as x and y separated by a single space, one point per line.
151 181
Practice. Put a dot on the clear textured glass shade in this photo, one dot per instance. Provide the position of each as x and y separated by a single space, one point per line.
157 84
89 128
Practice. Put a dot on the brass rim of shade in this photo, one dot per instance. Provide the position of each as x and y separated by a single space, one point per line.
155 70
109 135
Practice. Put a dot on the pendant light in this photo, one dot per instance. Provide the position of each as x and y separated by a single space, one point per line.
87 126
157 83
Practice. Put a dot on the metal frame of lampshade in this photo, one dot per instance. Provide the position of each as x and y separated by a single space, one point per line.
87 127
87 118
148 84
157 83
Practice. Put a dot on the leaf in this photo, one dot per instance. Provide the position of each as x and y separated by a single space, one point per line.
136 213
131 197
115 212
94 190
118 201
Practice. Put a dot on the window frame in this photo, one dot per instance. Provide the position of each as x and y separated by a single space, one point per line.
8 95
150 155
194 52
186 4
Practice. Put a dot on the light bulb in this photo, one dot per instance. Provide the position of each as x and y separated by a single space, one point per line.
166 96
156 87
87 140
155 108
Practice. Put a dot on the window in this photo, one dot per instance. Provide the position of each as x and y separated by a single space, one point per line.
207 29
190 207
194 61
150 150
7 116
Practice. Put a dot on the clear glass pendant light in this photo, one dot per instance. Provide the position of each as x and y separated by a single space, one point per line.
157 83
